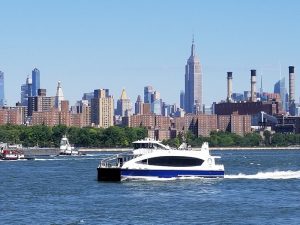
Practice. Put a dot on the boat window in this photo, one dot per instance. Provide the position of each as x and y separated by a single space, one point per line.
175 161
63 142
144 161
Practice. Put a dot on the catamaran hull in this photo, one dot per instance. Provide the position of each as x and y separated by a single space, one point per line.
117 174
171 173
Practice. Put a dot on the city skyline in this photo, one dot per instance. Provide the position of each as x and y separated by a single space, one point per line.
87 46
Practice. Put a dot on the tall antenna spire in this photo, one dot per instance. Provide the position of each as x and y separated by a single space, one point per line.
193 47
261 84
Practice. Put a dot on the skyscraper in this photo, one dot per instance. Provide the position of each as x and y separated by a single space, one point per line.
26 91
102 108
148 91
35 81
2 99
156 103
123 105
138 106
40 103
193 83
279 88
59 96
182 99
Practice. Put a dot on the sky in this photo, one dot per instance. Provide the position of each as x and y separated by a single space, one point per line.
115 44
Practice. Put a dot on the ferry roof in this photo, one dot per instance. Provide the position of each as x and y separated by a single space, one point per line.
147 140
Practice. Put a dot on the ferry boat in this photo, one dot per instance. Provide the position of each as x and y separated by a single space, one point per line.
65 147
150 158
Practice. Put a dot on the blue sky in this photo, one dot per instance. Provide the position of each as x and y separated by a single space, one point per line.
130 44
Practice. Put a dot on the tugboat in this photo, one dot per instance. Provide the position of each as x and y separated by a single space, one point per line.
12 154
150 158
65 147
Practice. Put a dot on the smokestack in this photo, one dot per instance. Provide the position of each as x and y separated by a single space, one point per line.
291 84
253 85
229 86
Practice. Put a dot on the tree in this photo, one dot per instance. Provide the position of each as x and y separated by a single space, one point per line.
278 139
267 137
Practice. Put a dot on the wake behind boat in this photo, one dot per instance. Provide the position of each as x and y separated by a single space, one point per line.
150 158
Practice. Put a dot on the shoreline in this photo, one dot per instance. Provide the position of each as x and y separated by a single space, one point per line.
55 151
254 148
197 149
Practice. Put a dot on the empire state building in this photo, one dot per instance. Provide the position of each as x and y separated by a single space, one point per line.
193 84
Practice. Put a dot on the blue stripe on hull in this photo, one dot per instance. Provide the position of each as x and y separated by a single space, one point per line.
171 173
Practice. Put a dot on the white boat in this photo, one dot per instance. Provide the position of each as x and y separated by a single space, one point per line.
150 158
65 147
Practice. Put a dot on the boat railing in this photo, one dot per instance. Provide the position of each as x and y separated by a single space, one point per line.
116 160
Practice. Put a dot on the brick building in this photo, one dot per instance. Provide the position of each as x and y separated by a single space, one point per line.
12 115
246 108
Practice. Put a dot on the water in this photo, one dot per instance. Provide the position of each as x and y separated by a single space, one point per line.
260 187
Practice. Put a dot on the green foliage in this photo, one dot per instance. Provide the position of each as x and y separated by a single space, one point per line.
174 142
226 139
44 136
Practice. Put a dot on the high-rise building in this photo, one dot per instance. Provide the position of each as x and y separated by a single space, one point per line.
59 96
40 103
237 97
280 89
156 103
64 113
124 105
81 114
26 91
148 92
182 99
193 83
102 108
35 81
2 99
88 96
12 115
168 110
156 107
138 106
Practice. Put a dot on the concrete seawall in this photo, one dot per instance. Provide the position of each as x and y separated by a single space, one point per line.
40 151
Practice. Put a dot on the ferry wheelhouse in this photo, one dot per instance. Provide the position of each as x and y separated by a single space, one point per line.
150 158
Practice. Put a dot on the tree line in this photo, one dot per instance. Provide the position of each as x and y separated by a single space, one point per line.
44 136
226 139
